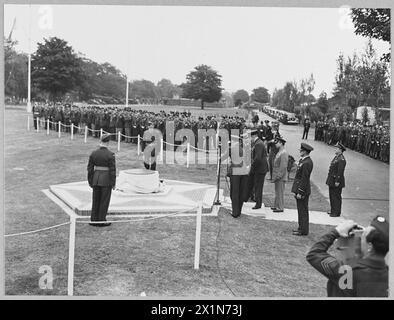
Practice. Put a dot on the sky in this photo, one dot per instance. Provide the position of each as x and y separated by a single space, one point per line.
249 47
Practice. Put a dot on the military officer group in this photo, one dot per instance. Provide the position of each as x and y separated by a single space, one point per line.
268 155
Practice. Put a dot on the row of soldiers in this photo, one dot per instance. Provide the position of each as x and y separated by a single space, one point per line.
373 141
129 122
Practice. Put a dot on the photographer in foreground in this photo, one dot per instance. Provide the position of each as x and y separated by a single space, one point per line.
365 275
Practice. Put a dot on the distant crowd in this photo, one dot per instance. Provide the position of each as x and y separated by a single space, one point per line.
128 121
374 141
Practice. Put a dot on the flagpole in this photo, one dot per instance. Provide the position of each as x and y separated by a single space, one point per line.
28 108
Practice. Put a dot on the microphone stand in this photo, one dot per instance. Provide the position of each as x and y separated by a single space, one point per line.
217 202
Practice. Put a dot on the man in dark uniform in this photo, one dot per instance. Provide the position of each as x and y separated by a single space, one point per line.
307 125
238 171
259 168
302 189
366 275
102 179
336 180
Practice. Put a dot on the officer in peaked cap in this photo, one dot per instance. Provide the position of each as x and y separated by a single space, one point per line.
302 189
367 274
336 180
102 179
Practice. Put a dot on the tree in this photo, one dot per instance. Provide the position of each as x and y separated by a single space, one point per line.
373 23
166 89
362 79
203 83
143 89
240 96
322 102
15 71
56 69
261 95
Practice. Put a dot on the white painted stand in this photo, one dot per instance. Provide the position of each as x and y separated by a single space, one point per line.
38 123
187 154
198 238
60 128
47 126
118 140
71 256
86 134
72 131
138 145
28 123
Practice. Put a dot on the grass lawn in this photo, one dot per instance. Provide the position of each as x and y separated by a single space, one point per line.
248 257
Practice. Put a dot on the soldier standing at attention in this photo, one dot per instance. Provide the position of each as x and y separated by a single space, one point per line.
102 179
302 189
307 125
336 180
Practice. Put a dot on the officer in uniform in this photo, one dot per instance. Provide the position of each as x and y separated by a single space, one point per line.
336 180
307 125
302 189
102 179
239 176
259 168
367 274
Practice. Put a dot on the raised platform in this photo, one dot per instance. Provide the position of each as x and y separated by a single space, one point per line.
177 196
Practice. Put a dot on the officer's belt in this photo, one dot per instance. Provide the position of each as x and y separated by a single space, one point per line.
97 168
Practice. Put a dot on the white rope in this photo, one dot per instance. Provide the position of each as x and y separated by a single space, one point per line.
210 150
144 219
35 231
123 135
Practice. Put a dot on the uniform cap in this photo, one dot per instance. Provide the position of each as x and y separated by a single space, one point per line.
382 226
340 146
280 139
306 147
105 138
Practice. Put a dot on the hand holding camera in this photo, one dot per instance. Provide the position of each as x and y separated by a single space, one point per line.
346 228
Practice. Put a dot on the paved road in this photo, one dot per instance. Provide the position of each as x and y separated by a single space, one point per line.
367 180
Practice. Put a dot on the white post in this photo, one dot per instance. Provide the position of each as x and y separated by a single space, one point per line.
198 238
187 154
138 145
28 123
72 131
60 125
71 255
118 140
47 126
86 133
38 123
161 150
101 132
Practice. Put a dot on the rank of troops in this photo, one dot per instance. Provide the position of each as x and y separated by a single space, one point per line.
128 121
373 141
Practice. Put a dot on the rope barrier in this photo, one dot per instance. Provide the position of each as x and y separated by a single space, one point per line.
136 220
35 231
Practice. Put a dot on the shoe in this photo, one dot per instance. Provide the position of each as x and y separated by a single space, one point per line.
277 210
105 224
273 208
328 212
296 230
334 215
94 224
256 207
298 233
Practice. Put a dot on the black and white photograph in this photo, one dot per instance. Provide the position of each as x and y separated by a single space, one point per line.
170 151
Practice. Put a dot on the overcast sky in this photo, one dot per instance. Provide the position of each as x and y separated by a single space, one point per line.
249 47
